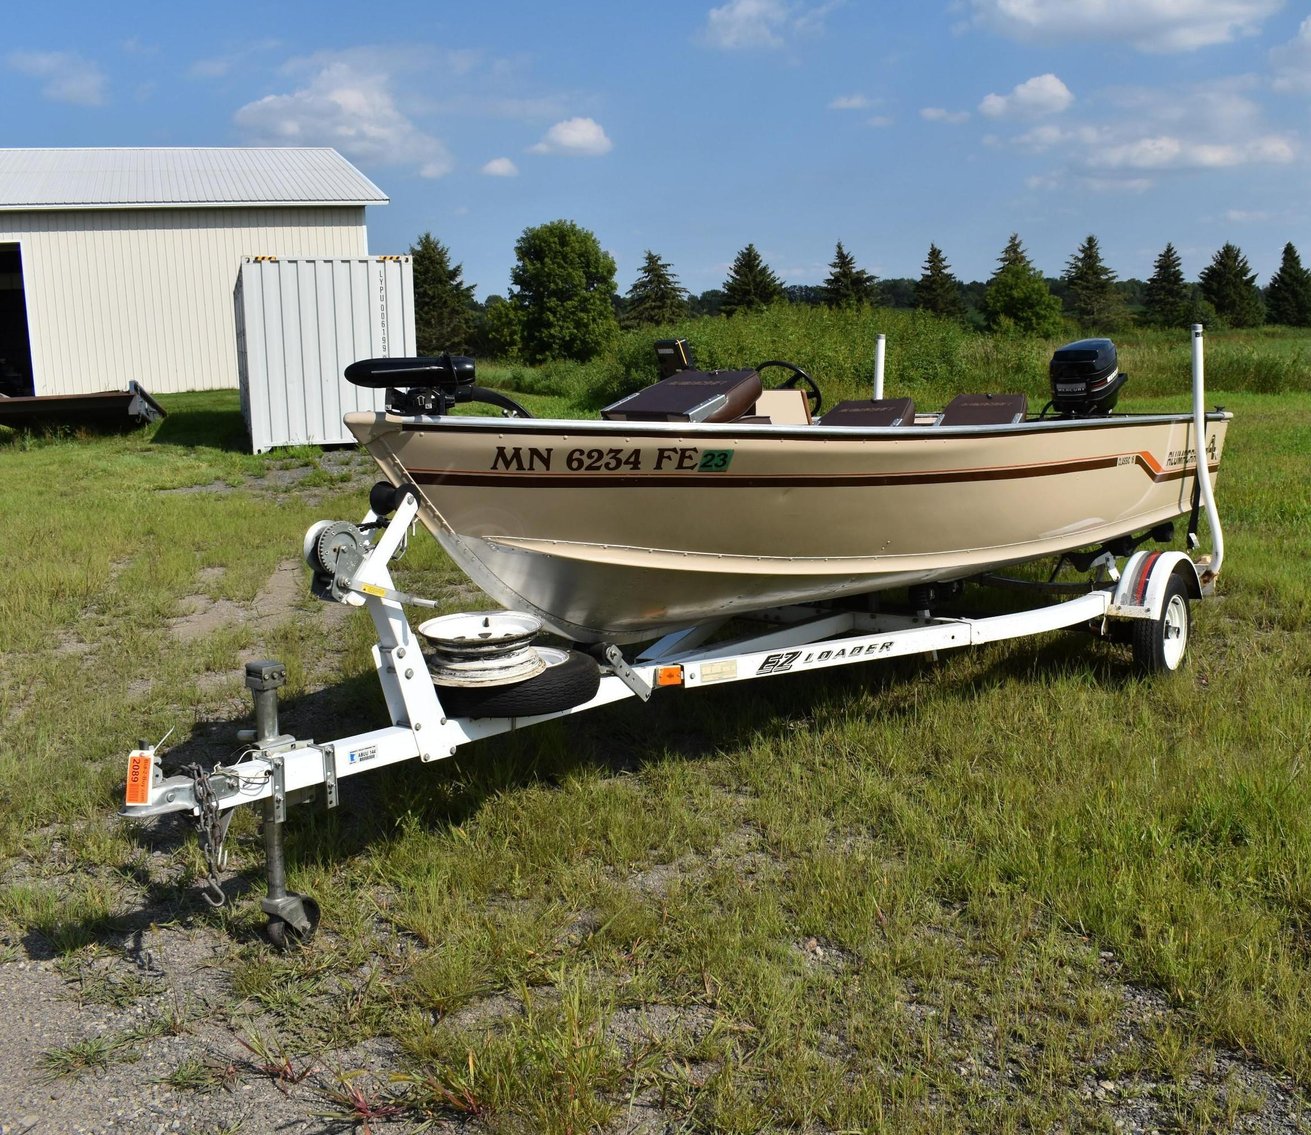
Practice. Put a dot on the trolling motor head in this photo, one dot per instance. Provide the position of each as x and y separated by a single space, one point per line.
1086 379
427 384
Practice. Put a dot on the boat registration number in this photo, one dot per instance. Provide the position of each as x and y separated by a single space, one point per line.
661 459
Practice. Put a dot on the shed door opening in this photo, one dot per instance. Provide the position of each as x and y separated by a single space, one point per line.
15 347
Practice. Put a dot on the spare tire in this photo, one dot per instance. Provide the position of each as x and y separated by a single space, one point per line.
569 679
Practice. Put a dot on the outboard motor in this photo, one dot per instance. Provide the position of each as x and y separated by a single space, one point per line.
427 384
1086 379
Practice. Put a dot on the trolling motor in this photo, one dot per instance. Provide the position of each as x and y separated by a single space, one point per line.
427 385
1085 379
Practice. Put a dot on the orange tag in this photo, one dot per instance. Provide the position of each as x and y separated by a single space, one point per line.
139 766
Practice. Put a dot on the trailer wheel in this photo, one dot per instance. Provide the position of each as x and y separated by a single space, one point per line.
569 679
1159 644
283 934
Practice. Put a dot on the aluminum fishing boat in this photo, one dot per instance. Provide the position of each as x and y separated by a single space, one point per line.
708 495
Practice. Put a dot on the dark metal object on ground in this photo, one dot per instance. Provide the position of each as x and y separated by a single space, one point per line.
109 408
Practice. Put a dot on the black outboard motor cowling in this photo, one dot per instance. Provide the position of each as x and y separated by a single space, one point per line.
1086 378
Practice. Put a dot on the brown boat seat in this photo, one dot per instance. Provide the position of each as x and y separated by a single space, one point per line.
690 396
985 410
871 412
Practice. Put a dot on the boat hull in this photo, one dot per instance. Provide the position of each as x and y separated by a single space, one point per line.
620 532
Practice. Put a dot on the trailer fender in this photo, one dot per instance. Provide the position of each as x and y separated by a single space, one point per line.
1140 594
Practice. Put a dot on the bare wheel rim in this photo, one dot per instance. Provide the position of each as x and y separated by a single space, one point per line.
1174 631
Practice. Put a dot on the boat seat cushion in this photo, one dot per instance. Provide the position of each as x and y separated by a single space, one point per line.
690 396
985 410
871 412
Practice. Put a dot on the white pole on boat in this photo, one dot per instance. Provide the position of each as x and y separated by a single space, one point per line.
880 353
1203 468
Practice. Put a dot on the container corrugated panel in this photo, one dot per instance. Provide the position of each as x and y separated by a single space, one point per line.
300 323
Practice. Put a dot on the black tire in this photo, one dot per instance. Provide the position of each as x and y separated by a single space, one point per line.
1159 645
565 683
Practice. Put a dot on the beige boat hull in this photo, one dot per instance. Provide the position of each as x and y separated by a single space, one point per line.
618 532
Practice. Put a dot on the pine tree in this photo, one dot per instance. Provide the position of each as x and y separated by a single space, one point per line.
1096 301
1167 296
1017 298
656 295
847 285
750 283
1229 284
938 290
1288 295
443 302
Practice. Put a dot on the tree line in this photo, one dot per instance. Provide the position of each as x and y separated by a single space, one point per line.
564 302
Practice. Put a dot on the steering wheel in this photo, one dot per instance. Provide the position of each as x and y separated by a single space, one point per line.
813 396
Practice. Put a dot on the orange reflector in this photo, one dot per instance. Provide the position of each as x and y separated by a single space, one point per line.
669 676
138 777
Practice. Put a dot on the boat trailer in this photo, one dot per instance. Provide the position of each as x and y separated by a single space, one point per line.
1146 603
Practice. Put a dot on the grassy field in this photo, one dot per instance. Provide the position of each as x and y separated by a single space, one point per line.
1016 889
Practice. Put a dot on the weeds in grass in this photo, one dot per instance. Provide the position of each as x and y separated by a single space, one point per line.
358 1106
91 1055
202 1076
272 1059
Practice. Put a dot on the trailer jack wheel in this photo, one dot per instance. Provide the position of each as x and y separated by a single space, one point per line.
1159 645
292 920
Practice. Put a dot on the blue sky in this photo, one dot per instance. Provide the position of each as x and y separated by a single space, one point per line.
694 128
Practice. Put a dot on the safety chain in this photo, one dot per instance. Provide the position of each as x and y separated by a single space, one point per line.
212 823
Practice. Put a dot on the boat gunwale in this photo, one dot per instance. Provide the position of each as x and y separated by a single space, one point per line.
469 423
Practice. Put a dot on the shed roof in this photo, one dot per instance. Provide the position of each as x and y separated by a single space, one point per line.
178 177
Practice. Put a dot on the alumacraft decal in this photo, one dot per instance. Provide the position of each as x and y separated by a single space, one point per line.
786 660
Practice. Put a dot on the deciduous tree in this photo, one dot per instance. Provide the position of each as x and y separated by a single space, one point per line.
656 295
847 285
750 283
1017 298
443 302
1229 284
564 292
1288 295
938 290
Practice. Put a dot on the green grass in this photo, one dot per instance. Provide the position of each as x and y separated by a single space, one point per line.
905 897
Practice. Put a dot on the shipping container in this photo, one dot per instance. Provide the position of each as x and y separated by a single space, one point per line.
300 323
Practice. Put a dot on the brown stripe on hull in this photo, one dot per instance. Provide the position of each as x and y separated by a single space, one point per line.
537 480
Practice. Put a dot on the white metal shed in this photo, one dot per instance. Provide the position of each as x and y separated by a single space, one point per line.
300 323
118 264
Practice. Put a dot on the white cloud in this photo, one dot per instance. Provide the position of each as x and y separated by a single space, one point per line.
1292 61
1162 152
67 77
1148 25
880 120
744 25
582 137
346 102
939 114
850 102
500 167
1247 216
1041 95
